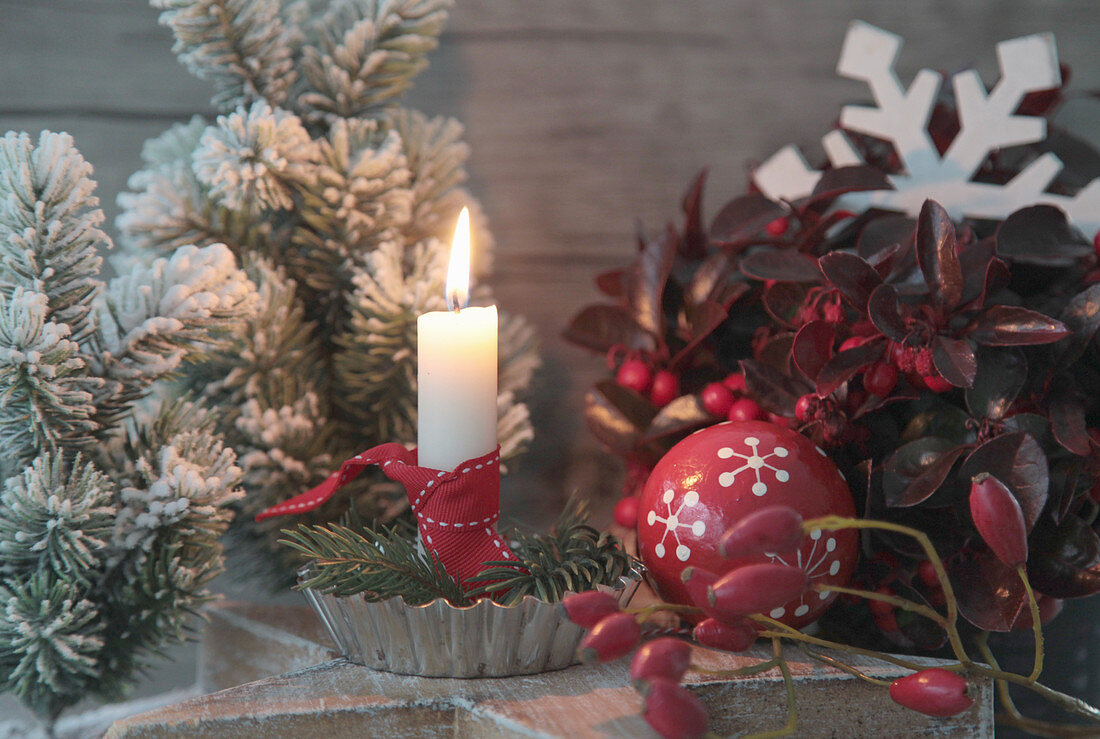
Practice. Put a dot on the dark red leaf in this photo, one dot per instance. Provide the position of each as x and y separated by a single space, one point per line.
776 352
1067 418
917 469
702 319
955 360
974 261
783 302
617 416
694 243
1002 372
679 417
600 327
997 276
783 265
840 180
1065 559
1041 235
773 390
844 365
890 232
710 280
610 283
1009 325
813 346
1082 317
885 312
645 282
744 216
852 276
936 255
1018 461
990 594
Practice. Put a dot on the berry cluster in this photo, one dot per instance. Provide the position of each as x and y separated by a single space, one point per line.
728 610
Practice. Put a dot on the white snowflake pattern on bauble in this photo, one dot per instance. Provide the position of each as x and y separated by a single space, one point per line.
673 524
754 462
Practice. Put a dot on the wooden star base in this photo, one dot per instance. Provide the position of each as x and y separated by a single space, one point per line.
320 696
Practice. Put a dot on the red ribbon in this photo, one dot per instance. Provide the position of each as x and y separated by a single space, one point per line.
456 511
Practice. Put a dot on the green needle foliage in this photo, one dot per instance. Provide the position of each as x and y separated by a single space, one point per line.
340 204
383 562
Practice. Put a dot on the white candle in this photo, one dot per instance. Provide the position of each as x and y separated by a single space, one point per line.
456 370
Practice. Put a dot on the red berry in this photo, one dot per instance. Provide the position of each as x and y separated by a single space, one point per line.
735 382
887 623
613 637
999 519
880 378
756 588
881 607
852 343
697 581
665 388
1048 609
588 608
673 711
634 374
717 399
774 530
937 598
933 692
1096 243
626 512
664 658
736 636
927 574
937 384
745 409
778 227
923 364
804 407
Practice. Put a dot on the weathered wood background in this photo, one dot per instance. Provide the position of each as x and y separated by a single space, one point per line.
583 117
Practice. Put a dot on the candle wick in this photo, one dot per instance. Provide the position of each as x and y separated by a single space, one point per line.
456 305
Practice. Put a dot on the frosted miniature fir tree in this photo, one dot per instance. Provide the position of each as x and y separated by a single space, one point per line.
340 204
111 501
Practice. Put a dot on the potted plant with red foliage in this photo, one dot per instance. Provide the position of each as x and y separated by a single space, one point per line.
927 357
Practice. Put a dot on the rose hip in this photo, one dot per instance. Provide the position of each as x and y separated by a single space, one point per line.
588 608
717 399
927 574
756 588
613 637
664 658
673 711
735 636
999 519
933 692
772 530
697 580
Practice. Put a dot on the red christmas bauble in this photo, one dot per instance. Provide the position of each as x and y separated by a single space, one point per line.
711 479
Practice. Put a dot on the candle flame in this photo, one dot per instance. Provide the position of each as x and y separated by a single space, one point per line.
458 271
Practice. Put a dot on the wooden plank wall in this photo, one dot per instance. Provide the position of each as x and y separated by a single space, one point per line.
583 116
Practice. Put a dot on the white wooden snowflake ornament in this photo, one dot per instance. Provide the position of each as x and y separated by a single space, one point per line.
901 116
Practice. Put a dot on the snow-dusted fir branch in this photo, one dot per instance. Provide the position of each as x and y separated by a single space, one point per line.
339 205
241 46
365 53
109 517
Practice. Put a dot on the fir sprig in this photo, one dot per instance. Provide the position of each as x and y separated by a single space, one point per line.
572 558
379 563
385 562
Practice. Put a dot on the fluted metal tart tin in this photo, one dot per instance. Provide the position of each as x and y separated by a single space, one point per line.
438 639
